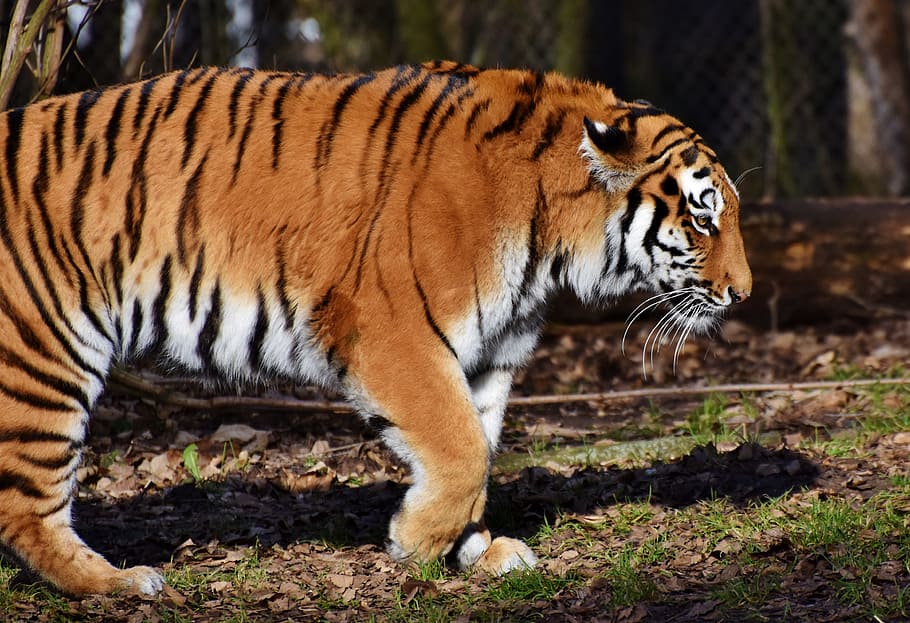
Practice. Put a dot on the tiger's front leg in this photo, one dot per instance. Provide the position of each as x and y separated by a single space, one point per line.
437 430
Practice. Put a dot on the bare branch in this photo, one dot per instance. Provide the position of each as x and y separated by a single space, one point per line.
50 52
22 36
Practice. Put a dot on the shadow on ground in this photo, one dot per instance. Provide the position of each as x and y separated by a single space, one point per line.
151 527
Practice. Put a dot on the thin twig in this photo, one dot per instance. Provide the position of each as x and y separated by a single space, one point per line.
732 388
20 38
139 385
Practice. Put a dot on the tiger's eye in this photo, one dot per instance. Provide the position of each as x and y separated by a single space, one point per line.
702 220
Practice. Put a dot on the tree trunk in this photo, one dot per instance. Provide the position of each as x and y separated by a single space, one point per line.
881 84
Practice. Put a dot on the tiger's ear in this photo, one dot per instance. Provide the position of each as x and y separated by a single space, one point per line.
609 153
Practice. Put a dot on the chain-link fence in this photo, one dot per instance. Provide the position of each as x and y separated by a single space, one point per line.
813 94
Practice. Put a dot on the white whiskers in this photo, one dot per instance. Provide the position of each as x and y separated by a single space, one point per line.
687 312
743 175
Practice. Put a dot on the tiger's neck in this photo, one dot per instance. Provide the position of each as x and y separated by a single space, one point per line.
564 225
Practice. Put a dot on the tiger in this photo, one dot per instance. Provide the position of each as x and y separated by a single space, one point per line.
393 236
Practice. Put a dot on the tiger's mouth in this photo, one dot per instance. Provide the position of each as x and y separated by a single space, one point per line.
688 310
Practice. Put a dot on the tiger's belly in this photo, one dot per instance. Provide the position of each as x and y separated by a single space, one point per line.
228 335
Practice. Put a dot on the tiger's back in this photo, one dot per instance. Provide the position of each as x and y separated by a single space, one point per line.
393 235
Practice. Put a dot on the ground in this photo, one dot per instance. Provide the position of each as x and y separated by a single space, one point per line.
787 505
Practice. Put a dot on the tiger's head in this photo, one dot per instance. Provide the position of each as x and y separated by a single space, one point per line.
675 229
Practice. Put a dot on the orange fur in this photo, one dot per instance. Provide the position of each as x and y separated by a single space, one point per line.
393 235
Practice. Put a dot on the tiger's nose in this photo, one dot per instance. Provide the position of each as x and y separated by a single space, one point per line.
737 297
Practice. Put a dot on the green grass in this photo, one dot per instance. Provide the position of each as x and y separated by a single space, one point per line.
748 590
530 585
629 584
707 420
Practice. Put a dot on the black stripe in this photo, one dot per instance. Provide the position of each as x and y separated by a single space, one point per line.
429 316
239 86
23 327
667 129
56 508
30 435
702 172
13 139
199 75
49 282
591 186
406 102
669 186
24 485
660 170
661 212
646 110
475 115
556 268
188 216
159 306
521 110
113 131
59 127
82 283
248 126
144 94
137 196
70 390
656 157
327 132
195 281
477 306
189 129
282 284
206 344
404 75
117 268
259 332
40 187
428 116
303 78
176 92
633 200
323 303
540 206
443 122
278 124
85 103
36 401
552 129
138 319
77 215
420 291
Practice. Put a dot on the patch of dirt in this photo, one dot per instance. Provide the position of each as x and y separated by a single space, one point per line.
309 497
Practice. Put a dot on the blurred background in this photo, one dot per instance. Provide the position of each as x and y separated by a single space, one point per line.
816 92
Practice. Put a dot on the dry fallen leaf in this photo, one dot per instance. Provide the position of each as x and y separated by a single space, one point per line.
411 588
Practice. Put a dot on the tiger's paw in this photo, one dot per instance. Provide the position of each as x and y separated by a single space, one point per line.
141 581
505 555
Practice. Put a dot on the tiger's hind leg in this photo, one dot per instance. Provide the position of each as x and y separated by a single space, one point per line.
38 463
